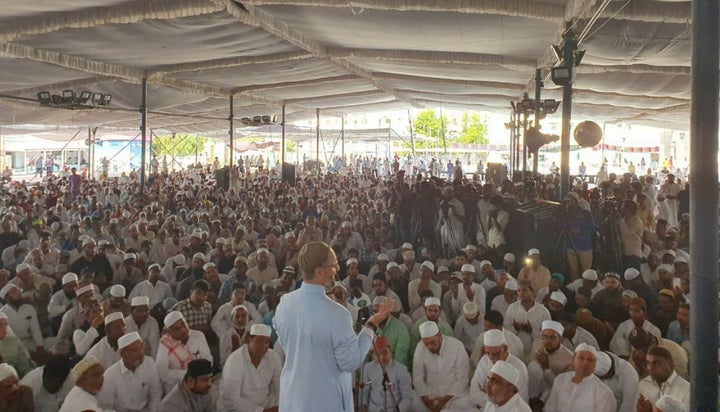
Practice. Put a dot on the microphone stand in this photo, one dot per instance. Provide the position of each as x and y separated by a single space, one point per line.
386 382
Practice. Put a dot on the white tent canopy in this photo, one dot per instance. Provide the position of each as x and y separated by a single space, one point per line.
339 57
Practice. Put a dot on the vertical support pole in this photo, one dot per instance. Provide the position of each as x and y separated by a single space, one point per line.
317 141
282 143
569 46
231 119
143 129
704 205
196 149
538 114
442 130
512 144
342 141
524 144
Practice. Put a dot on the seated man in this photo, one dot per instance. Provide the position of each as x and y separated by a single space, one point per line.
13 396
74 319
50 384
374 397
552 359
222 321
22 318
140 321
62 300
88 375
620 377
502 390
179 346
432 314
496 350
106 350
116 302
234 337
661 380
251 377
440 371
469 326
394 331
12 351
620 342
192 393
494 320
525 317
132 383
581 390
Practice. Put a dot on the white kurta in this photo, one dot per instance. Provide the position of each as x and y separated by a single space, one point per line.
149 332
515 404
513 343
674 386
155 294
128 391
623 384
535 315
581 336
245 388
226 343
414 298
222 321
24 323
43 400
456 305
104 353
589 395
79 400
478 396
620 342
445 373
170 369
467 332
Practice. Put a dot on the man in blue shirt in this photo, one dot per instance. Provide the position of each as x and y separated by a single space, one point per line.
322 349
579 228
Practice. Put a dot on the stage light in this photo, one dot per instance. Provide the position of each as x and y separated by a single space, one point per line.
68 96
56 99
528 104
561 75
84 97
44 98
107 98
97 98
550 106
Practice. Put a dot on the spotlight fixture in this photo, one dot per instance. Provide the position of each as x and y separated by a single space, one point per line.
57 99
68 96
259 120
84 97
550 106
97 98
44 98
107 98
561 75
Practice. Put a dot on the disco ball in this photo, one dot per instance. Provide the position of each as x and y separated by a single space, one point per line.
587 134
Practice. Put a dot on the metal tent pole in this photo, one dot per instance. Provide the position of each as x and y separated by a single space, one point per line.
538 88
143 129
569 47
282 128
317 141
231 119
704 205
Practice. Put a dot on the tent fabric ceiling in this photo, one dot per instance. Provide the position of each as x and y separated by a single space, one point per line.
339 57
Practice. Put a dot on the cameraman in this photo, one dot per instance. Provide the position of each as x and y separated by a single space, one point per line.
579 227
451 223
498 219
631 233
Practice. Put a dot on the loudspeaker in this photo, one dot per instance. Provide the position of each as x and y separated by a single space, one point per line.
222 178
288 173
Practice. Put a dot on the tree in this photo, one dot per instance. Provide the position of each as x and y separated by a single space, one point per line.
174 145
473 130
428 124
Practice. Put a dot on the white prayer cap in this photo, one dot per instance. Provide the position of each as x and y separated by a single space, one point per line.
470 247
590 274
114 221
127 339
680 259
509 257
511 285
345 224
669 252
199 256
494 337
428 264
631 273
506 371
103 242
442 269
558 297
602 363
6 289
21 267
552 325
140 301
428 329
237 308
407 246
86 363
4 317
485 262
584 347
179 259
172 317
69 277
24 244
383 257
380 300
84 289
667 403
392 265
351 261
666 267
208 265
467 268
153 266
533 251
113 317
288 235
196 234
261 250
432 301
630 293
220 241
260 329
470 309
88 241
7 371
117 291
